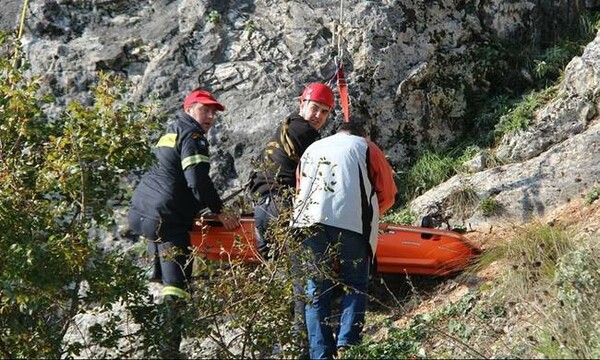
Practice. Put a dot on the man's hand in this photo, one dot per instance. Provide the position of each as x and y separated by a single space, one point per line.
229 221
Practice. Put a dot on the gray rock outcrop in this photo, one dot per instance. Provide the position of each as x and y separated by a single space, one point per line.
554 161
413 67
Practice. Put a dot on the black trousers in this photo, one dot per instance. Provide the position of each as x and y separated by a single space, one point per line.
172 245
265 212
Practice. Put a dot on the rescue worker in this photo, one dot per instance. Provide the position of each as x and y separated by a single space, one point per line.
170 195
275 179
345 184
274 182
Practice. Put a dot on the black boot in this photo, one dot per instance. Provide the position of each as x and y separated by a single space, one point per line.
156 275
173 326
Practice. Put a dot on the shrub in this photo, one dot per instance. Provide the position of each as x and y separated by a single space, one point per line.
403 216
462 201
59 181
575 306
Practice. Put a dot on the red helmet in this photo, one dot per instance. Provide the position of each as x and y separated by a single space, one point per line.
318 92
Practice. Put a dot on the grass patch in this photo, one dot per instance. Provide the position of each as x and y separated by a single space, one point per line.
430 169
462 201
489 206
532 254
403 216
519 117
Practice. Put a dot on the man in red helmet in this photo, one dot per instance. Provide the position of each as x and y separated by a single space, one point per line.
274 181
276 171
170 195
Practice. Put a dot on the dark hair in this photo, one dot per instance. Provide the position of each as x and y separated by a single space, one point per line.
352 129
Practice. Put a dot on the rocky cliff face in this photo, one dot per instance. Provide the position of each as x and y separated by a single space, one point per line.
413 68
554 161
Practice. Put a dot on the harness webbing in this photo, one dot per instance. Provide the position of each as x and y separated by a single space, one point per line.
343 89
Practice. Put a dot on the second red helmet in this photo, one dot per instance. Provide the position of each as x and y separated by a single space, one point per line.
318 92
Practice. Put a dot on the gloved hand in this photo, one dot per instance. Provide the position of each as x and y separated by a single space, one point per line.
229 221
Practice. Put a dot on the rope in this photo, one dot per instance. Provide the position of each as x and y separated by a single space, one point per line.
339 29
22 22
339 73
20 33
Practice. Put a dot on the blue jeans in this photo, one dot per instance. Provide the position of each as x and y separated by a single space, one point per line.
325 244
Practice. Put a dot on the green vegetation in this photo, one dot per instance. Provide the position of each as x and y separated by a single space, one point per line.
519 116
489 206
59 181
542 303
404 217
510 103
462 201
250 26
430 169
213 17
593 195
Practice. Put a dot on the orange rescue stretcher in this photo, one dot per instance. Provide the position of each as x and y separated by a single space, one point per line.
401 249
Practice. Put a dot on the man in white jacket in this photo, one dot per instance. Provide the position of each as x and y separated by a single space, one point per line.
344 183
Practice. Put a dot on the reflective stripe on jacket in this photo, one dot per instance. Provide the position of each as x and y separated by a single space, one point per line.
279 159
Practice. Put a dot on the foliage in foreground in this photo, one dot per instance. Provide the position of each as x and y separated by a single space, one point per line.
59 181
61 294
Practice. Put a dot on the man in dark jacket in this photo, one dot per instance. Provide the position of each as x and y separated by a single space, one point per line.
273 182
171 194
276 174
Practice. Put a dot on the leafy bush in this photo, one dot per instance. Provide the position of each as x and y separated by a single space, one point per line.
403 216
59 181
575 309
552 62
405 343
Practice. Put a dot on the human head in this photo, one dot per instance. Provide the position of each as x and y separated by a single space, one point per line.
202 106
352 128
316 102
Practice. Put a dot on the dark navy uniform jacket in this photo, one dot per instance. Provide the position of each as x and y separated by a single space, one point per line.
281 155
179 186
